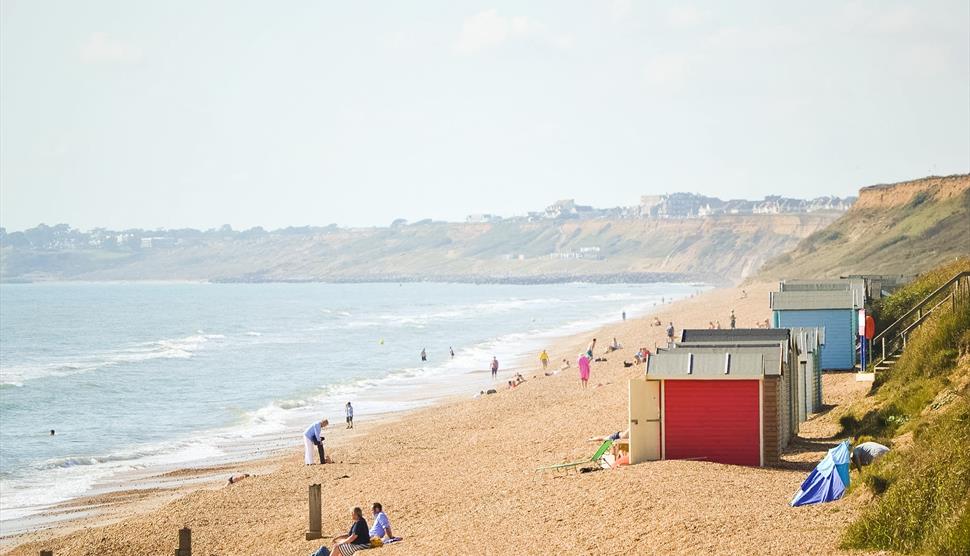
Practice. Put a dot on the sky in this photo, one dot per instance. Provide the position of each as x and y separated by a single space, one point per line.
125 114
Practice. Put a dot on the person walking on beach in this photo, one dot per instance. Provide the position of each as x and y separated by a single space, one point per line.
624 315
544 359
733 319
583 368
670 332
494 367
313 436
350 416
452 351
424 354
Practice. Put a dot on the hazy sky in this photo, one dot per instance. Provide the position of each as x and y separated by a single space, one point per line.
200 113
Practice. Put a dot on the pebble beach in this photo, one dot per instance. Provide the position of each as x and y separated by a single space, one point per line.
461 478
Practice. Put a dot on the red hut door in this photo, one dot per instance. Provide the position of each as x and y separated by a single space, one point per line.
713 420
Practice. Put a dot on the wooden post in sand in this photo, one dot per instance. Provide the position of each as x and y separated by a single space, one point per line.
185 542
316 519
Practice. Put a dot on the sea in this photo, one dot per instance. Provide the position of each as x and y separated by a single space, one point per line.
141 377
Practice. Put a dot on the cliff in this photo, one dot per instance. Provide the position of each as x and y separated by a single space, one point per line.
720 249
902 228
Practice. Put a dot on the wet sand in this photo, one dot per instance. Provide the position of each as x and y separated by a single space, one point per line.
460 477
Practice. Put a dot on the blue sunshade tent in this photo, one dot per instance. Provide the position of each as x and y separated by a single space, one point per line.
828 480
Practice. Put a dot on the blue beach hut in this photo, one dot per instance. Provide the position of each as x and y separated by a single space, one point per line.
822 305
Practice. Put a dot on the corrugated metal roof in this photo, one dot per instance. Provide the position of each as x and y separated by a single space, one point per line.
808 339
733 334
716 361
808 300
855 285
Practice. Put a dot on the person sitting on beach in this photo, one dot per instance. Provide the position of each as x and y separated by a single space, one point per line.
313 435
358 538
565 365
382 526
614 346
519 379
656 322
233 479
717 325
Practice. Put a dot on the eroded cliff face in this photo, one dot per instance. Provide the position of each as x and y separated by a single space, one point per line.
899 194
902 228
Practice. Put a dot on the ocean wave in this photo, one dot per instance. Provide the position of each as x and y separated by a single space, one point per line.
178 348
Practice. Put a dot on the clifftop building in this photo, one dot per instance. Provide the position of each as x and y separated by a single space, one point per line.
690 205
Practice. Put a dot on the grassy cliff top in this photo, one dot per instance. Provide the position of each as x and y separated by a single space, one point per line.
903 228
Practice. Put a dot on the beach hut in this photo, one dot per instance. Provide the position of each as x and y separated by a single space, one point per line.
722 403
808 344
802 350
756 336
831 305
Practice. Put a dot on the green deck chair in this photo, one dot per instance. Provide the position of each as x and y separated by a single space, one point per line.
567 466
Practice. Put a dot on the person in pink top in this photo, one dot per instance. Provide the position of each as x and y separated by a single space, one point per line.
583 368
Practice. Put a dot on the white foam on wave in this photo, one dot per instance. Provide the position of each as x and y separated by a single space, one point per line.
178 348
59 479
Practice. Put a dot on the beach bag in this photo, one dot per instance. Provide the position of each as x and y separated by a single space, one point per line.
322 551
376 542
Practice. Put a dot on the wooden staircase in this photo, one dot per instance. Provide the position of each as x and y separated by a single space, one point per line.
887 346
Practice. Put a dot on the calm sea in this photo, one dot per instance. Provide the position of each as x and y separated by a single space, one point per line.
139 376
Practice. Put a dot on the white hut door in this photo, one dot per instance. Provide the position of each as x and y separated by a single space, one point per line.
644 420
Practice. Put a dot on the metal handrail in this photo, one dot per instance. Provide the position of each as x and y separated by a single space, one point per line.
920 305
922 316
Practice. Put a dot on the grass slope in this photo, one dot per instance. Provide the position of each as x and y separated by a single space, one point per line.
905 229
921 410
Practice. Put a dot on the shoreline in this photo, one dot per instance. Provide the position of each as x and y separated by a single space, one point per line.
263 450
489 446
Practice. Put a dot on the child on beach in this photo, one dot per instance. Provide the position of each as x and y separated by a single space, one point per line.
313 435
583 368
350 416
